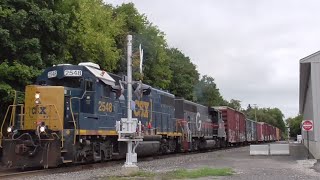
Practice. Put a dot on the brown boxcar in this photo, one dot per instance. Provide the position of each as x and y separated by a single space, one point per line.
265 131
235 124
260 131
278 134
274 136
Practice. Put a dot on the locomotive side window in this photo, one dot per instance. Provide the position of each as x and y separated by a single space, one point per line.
89 85
106 90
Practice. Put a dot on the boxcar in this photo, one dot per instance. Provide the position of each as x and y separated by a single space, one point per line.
273 133
278 137
251 131
260 132
235 125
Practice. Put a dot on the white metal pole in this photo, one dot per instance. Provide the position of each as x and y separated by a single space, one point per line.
129 76
129 157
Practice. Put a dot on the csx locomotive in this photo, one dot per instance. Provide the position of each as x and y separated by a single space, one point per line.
69 116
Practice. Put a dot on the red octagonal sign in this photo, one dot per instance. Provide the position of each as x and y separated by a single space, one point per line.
307 125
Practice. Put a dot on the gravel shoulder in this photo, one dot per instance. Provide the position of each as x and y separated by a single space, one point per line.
295 166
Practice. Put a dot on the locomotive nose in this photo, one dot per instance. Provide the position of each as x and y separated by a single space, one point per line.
44 105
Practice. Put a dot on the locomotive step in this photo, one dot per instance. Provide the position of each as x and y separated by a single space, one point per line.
67 161
115 154
64 151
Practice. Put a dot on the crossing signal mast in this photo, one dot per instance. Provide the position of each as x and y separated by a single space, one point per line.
129 129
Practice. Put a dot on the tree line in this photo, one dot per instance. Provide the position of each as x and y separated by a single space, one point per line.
35 34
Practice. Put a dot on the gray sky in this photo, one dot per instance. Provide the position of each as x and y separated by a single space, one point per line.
252 48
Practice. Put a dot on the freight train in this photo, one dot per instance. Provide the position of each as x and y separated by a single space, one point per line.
69 116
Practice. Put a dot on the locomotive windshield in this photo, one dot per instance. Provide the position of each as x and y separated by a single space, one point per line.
71 82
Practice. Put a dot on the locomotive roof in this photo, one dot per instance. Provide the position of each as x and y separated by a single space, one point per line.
67 70
163 92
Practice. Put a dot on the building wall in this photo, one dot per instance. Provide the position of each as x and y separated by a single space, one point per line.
308 110
314 148
312 110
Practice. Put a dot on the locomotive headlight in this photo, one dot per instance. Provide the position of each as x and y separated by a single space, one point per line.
37 95
42 129
37 98
9 129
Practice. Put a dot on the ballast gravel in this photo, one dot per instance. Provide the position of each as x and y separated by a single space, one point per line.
246 167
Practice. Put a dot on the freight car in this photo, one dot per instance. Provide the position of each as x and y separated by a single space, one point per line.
235 125
69 116
251 131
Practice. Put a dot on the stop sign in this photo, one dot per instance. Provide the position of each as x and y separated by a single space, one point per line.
307 125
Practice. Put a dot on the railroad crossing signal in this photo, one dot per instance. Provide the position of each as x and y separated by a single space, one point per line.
307 125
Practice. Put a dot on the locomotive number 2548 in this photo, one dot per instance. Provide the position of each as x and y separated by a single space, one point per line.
105 106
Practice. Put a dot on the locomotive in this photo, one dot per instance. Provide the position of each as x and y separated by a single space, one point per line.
70 113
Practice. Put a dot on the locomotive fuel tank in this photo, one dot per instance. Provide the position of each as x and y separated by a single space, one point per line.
144 148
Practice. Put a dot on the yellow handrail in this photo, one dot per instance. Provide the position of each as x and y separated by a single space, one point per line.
72 115
61 123
13 113
4 120
12 120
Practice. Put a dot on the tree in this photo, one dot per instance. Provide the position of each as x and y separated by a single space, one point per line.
156 66
294 125
235 104
207 92
92 29
185 74
32 36
272 116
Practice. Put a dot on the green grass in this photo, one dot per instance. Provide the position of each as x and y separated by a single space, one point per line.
177 174
138 175
197 173
142 174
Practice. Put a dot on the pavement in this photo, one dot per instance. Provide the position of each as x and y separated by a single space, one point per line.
246 167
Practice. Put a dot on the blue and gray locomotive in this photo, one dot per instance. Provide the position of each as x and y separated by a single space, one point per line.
69 116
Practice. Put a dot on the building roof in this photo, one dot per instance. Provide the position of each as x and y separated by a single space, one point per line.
305 69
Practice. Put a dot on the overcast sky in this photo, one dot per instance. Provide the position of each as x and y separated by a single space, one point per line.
252 48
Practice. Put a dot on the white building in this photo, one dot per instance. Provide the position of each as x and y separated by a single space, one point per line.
309 100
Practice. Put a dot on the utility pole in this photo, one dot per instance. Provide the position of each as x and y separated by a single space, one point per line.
255 112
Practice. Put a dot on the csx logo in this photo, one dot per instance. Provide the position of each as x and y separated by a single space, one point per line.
142 110
39 110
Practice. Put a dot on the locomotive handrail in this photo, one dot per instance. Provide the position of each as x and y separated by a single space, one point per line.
56 110
4 120
72 114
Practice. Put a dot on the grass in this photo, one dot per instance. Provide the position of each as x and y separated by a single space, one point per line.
137 175
177 174
197 173
143 174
